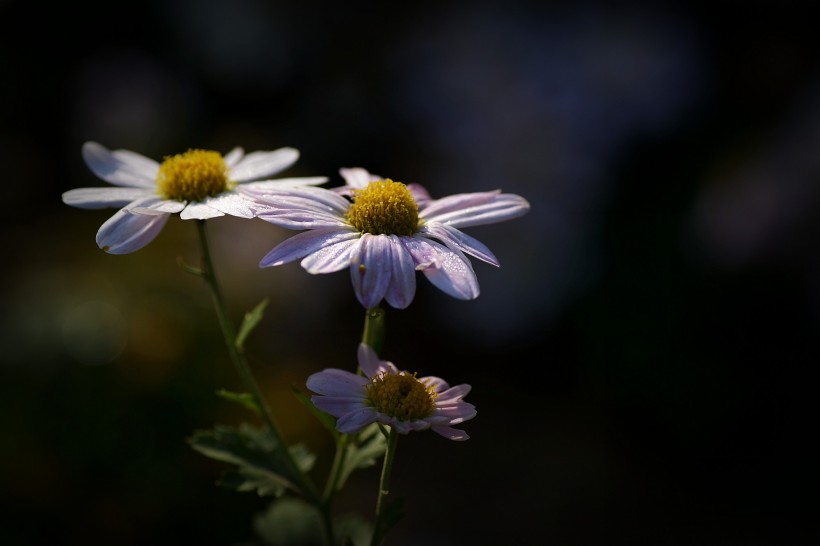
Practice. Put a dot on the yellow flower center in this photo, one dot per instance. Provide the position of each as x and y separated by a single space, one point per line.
401 396
193 176
384 207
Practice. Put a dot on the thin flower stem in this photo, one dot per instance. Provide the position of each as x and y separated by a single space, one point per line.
304 486
381 526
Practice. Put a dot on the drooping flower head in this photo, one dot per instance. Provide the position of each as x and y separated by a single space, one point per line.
384 231
198 184
391 397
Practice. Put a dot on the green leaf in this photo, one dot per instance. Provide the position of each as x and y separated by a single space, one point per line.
258 465
392 514
242 398
289 521
352 530
363 449
249 323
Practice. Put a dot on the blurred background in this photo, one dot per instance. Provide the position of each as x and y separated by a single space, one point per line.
640 361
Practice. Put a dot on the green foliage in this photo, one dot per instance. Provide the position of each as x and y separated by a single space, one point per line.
291 521
362 451
326 419
252 318
242 398
258 463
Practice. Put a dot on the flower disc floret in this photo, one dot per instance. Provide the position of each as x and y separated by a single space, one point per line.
384 207
401 396
192 176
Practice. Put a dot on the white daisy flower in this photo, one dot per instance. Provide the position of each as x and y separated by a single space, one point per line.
198 184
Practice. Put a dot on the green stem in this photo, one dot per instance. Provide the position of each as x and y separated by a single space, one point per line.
373 334
304 486
380 527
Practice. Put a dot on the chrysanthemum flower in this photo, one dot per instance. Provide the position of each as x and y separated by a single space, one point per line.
391 397
385 231
198 184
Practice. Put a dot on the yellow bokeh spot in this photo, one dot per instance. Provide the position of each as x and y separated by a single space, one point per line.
193 176
384 207
401 396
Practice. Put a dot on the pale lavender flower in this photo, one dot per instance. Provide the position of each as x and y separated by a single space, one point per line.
198 184
391 397
385 231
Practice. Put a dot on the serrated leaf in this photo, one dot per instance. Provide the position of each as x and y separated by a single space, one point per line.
242 398
250 321
254 454
363 449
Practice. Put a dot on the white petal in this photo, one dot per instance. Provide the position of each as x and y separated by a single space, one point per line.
258 165
357 177
284 183
199 211
98 198
475 209
232 203
437 383
167 206
458 240
306 198
331 258
120 167
233 157
451 433
126 232
448 270
303 244
452 394
402 286
370 269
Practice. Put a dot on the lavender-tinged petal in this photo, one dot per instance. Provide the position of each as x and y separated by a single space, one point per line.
331 258
356 420
300 220
99 198
502 207
199 211
458 413
232 203
370 269
125 232
369 361
458 240
233 157
258 165
449 270
337 405
402 287
165 206
420 195
437 383
451 433
307 198
453 394
457 202
263 186
357 177
334 382
120 167
302 244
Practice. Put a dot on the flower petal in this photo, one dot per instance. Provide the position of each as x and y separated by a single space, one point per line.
451 433
453 394
473 209
331 258
437 383
301 198
369 361
402 287
357 177
284 183
457 413
199 211
120 167
126 232
337 405
305 243
371 268
449 270
232 203
166 206
334 382
356 420
258 165
233 157
99 198
458 240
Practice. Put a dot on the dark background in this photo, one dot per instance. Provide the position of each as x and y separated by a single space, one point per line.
640 361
